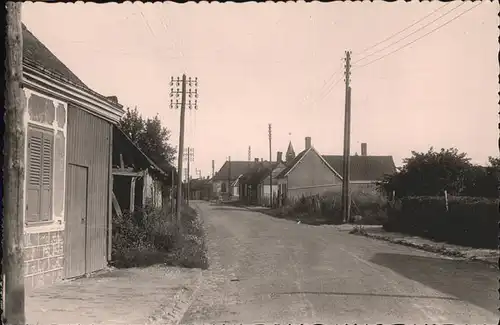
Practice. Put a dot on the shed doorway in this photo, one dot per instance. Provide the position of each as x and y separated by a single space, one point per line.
75 254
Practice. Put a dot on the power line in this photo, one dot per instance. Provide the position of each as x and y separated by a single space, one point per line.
330 89
147 23
405 29
408 44
322 94
419 29
330 78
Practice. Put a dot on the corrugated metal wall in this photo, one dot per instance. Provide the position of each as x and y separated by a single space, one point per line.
88 145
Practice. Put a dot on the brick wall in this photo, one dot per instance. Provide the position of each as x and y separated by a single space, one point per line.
43 258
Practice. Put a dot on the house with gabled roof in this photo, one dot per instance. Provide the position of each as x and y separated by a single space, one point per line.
68 178
227 181
199 189
311 173
307 174
255 185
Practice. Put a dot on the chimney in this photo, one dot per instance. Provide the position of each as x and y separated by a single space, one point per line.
261 159
308 142
256 159
363 149
279 157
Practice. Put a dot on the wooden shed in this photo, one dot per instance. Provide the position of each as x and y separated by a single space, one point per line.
137 179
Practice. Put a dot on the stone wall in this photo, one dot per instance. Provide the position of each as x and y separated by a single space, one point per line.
43 258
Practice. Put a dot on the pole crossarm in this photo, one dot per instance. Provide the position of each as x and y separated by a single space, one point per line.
180 88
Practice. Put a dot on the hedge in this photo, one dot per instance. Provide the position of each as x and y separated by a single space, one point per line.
329 206
468 221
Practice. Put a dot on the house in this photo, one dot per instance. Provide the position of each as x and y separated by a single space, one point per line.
365 170
278 167
307 174
254 185
200 189
226 181
250 182
311 173
137 180
69 135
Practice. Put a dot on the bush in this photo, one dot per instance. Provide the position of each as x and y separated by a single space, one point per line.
148 237
190 248
468 221
372 207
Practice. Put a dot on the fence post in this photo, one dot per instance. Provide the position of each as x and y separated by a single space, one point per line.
446 199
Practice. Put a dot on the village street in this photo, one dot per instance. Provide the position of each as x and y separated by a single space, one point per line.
272 270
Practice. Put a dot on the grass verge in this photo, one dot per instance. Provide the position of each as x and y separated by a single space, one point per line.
148 237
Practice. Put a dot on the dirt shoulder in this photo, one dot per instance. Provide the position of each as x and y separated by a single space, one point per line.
153 287
152 295
488 256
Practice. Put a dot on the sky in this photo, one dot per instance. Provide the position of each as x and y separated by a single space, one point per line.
282 63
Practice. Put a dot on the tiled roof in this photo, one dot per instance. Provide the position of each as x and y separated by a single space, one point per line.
237 168
291 164
364 168
34 51
256 174
132 155
198 184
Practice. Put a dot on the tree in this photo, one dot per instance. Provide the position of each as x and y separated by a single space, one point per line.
494 162
149 135
428 174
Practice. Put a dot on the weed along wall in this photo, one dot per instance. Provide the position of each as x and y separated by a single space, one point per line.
44 188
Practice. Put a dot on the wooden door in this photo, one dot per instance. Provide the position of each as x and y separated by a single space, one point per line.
76 221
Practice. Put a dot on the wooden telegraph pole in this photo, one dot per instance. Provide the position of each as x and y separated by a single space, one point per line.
271 169
13 224
229 189
190 158
184 83
346 198
172 205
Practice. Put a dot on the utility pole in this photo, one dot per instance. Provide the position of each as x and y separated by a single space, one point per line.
229 189
186 182
190 158
172 205
346 198
271 169
213 168
13 226
184 83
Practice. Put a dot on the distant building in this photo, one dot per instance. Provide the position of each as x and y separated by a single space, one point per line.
311 173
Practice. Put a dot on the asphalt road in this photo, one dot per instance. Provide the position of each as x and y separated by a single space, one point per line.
267 270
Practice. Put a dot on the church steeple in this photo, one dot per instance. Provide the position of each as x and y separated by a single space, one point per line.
290 153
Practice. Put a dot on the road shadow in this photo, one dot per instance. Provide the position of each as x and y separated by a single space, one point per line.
363 295
141 258
472 282
306 220
228 208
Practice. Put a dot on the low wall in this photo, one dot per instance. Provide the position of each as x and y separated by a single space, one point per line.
356 189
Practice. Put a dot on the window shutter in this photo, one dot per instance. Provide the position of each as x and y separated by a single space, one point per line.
34 177
47 176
